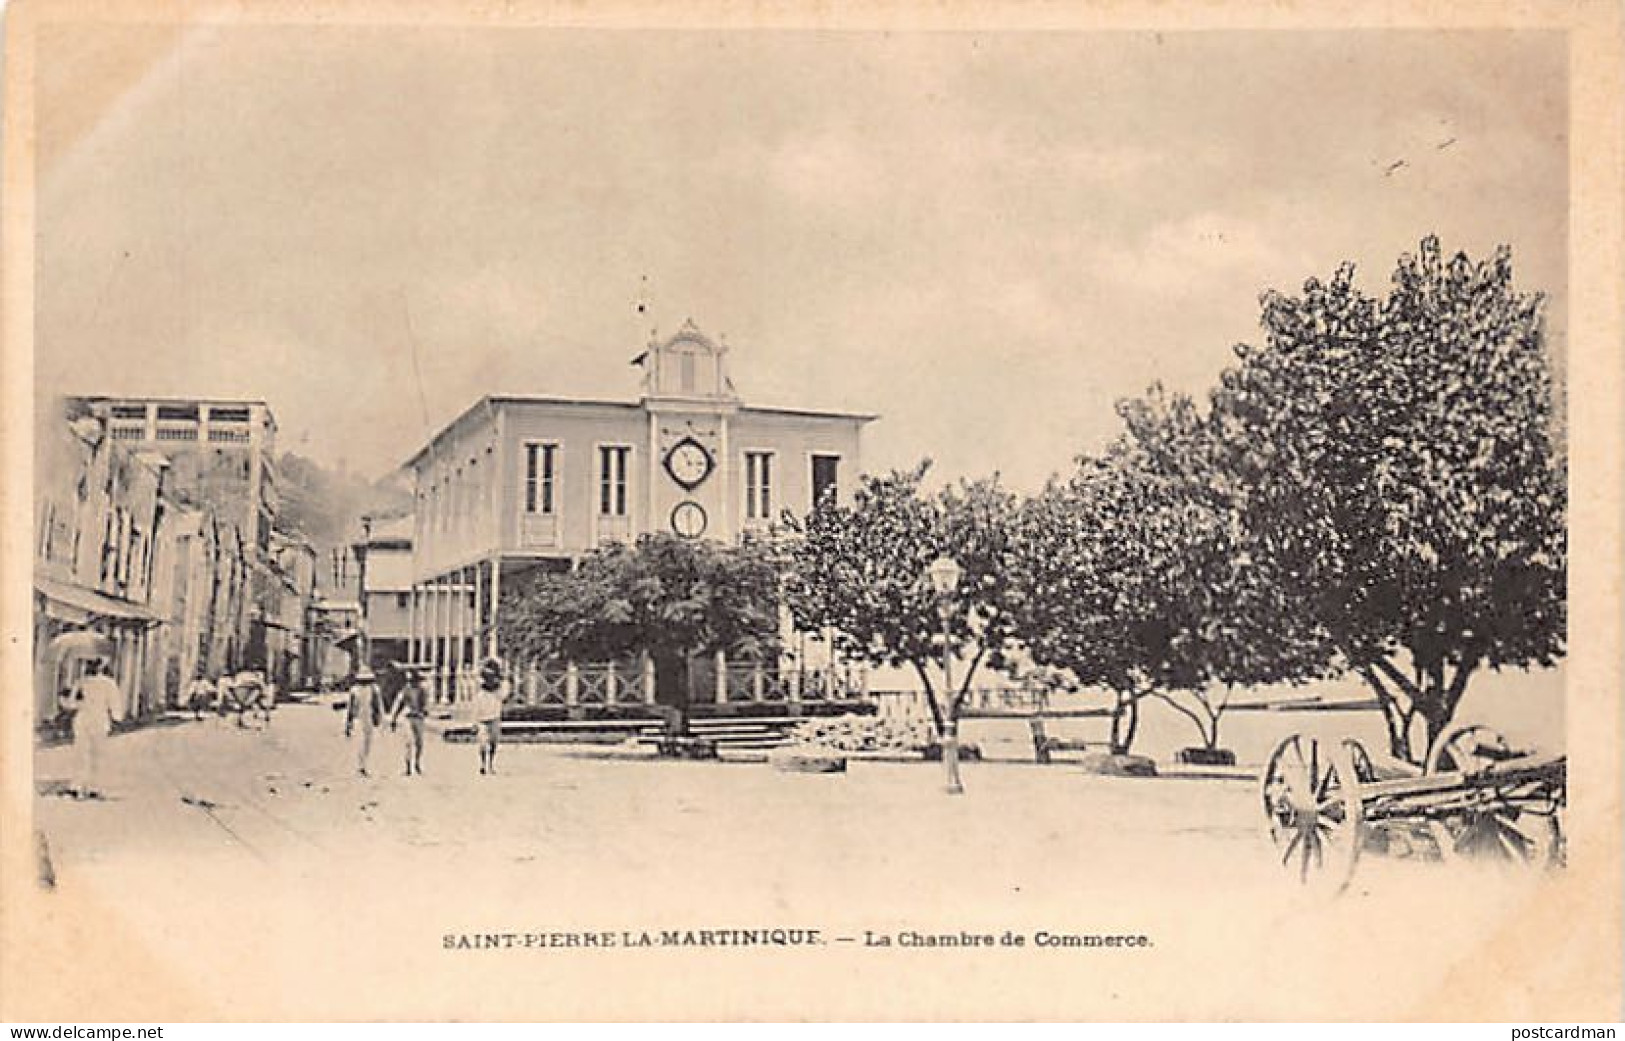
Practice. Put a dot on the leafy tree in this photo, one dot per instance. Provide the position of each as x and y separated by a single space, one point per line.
1233 626
1400 478
669 597
1139 576
860 570
1095 602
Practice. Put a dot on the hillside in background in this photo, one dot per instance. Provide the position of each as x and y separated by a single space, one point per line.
325 507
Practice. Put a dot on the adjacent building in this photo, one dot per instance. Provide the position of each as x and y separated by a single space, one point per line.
522 482
98 508
155 549
219 459
335 628
289 654
384 566
219 451
127 571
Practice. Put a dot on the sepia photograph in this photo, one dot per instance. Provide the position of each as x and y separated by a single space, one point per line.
551 514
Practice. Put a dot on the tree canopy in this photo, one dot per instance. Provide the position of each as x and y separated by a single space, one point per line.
666 596
1397 461
860 571
1140 577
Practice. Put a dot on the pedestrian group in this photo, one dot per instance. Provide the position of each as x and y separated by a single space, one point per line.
367 707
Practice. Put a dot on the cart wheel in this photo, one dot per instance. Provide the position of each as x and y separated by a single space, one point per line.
1467 749
1502 835
1313 811
1364 770
1495 832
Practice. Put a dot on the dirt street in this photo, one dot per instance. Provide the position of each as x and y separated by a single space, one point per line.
255 869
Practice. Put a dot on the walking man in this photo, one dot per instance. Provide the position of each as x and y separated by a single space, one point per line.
363 715
93 704
413 700
488 701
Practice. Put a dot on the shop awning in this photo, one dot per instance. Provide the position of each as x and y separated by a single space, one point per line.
78 604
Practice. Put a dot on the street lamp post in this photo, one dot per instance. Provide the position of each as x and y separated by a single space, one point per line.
944 573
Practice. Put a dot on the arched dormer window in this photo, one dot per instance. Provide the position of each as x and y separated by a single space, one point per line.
689 365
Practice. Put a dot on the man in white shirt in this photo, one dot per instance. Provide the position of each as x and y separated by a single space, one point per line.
363 714
94 703
487 703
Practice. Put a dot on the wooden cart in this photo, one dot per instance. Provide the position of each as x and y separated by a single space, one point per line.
1477 797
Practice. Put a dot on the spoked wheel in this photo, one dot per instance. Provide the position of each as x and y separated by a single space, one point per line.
1516 828
1470 749
1312 809
1364 770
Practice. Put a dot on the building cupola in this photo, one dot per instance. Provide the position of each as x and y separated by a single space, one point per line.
687 367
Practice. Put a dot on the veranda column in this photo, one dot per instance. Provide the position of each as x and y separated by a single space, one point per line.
442 641
477 623
426 634
459 623
423 623
412 623
496 604
722 677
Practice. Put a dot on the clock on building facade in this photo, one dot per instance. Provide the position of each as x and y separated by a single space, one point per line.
689 463
688 519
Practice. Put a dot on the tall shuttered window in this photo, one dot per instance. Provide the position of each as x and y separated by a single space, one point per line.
826 473
612 461
758 485
541 469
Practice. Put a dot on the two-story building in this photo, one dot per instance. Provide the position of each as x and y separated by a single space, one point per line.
522 482
384 569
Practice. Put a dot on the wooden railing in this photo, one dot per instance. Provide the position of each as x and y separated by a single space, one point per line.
631 682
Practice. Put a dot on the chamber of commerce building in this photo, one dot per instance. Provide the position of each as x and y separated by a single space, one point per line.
523 482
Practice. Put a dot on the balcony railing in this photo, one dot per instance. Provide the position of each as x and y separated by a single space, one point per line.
177 431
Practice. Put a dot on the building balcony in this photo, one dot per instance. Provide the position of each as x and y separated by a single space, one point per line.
177 431
539 531
611 528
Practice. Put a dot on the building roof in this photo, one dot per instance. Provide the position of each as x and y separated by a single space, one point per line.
491 400
90 602
772 410
159 399
171 399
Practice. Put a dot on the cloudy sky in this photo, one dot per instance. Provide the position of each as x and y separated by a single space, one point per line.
986 238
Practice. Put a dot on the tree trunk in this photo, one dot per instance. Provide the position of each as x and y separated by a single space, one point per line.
1437 705
1125 720
1396 716
937 720
1431 696
1206 721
